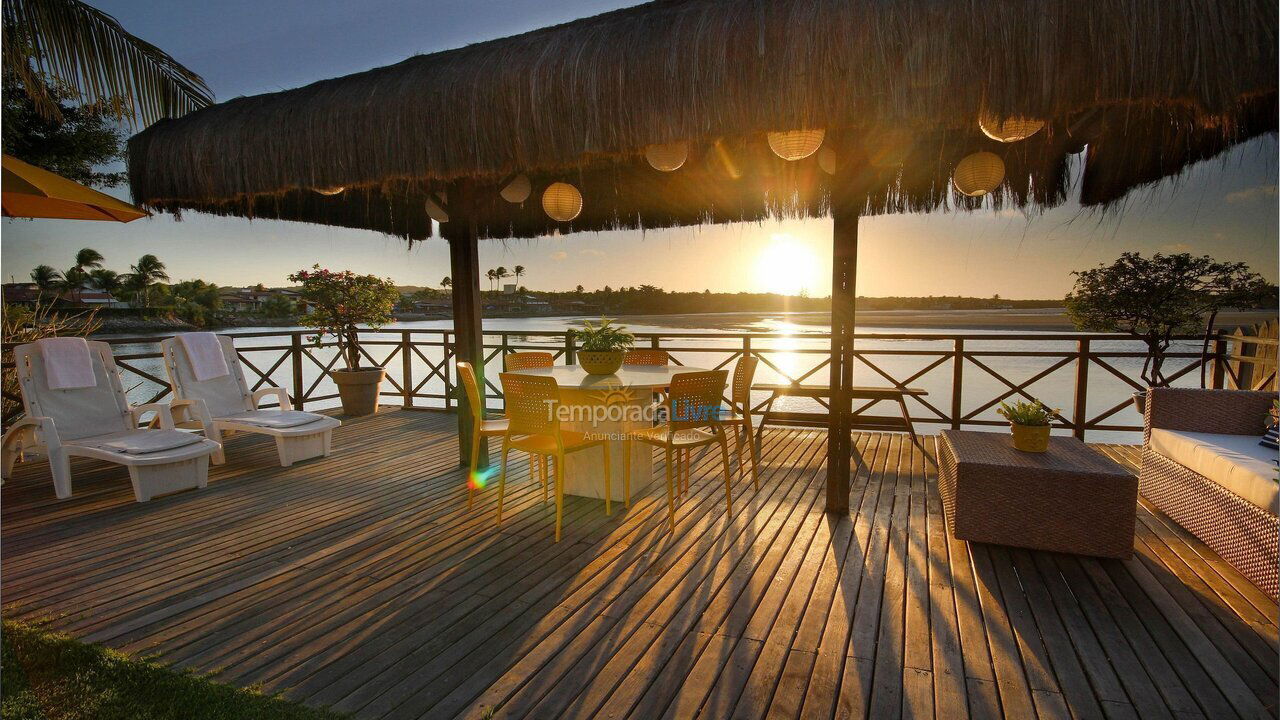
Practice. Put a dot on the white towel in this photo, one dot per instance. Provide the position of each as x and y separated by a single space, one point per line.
67 363
204 350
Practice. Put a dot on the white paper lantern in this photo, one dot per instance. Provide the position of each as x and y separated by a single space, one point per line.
978 174
667 157
827 160
1011 129
562 201
518 190
796 144
435 212
330 190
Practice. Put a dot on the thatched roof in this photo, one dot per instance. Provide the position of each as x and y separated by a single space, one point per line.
1148 85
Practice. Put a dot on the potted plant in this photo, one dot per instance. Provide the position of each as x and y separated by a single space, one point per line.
1153 299
1029 424
340 302
601 346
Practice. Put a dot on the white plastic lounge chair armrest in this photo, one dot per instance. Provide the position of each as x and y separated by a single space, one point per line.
277 391
42 428
161 410
190 410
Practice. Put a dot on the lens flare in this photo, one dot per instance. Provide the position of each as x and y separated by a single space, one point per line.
480 478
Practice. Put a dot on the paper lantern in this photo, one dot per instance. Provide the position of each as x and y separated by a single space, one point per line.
796 144
978 174
827 160
1011 129
330 190
562 201
667 157
435 212
518 190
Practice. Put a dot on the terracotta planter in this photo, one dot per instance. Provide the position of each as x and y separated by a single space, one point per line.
600 363
358 389
1140 402
1030 438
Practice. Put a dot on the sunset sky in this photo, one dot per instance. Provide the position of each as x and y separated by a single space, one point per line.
1226 207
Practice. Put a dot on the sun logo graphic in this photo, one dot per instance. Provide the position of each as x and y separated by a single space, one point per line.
614 396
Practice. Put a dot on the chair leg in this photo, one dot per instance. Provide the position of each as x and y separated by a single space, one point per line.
502 477
737 447
60 467
559 494
626 472
475 458
754 450
728 489
671 498
604 448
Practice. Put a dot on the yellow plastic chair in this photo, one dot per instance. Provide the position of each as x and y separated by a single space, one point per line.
646 357
534 427
693 412
739 414
480 427
526 360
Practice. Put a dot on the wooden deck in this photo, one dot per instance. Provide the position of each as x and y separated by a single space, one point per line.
362 582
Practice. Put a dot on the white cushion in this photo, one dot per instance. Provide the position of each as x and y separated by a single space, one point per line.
278 419
1236 462
140 442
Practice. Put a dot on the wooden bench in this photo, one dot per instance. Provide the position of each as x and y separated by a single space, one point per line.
822 393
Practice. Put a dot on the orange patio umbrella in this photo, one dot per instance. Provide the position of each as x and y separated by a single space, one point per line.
31 192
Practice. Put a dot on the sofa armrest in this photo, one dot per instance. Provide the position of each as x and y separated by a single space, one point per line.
1227 412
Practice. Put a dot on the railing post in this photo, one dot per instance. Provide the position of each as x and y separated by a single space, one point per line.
406 365
568 348
1080 401
957 382
295 350
447 349
653 342
1218 377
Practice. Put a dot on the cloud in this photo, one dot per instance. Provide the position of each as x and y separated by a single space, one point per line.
1248 195
591 252
559 255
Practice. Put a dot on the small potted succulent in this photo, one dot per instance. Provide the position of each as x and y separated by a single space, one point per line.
601 346
341 302
1029 424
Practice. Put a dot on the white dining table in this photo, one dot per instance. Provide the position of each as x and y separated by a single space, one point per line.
612 405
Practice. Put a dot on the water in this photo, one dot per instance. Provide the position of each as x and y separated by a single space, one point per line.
794 353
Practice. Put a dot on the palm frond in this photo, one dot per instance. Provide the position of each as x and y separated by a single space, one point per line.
90 52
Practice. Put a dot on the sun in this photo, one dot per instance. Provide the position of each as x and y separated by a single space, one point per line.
786 266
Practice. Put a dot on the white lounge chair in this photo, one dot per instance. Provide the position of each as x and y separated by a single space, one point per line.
98 422
225 405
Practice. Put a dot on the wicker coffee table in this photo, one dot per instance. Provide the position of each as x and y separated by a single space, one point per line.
1070 499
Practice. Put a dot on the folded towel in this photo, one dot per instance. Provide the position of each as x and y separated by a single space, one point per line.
140 442
67 363
204 350
279 419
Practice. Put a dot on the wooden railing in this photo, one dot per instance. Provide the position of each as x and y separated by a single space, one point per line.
1090 377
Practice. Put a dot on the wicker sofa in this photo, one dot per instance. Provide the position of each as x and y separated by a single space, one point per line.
1203 467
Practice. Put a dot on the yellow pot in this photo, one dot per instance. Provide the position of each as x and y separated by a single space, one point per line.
1030 438
600 363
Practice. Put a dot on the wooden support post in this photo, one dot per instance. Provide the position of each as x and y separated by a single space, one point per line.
464 267
1080 403
299 389
844 269
406 369
957 385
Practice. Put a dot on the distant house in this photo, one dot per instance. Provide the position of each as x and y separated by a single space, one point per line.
20 293
86 297
252 299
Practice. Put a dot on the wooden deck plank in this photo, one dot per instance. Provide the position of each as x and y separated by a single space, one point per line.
362 581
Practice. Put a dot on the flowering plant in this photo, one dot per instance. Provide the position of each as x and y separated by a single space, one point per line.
1027 413
341 302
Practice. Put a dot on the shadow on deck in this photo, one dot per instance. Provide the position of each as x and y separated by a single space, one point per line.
361 582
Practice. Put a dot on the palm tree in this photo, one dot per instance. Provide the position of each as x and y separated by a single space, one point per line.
501 273
147 272
446 282
108 281
518 271
492 275
45 278
88 259
72 281
85 49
